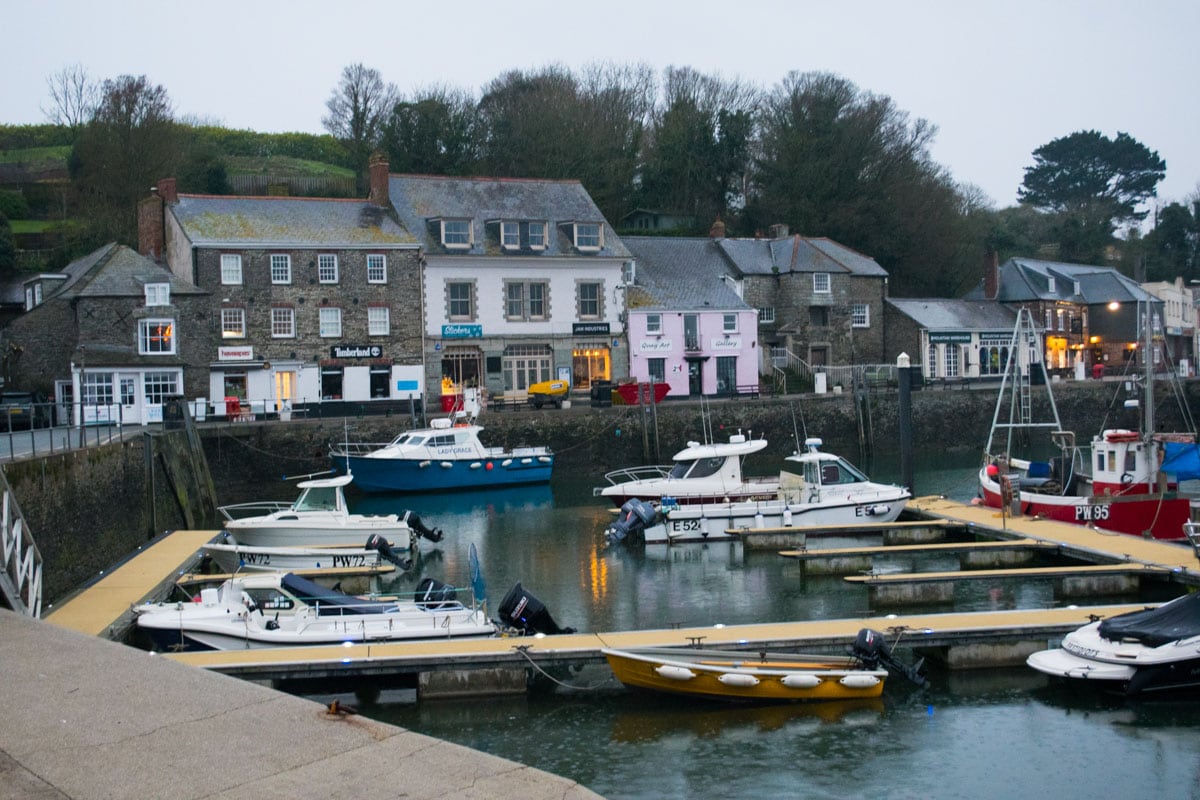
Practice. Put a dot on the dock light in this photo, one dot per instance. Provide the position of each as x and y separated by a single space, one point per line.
347 644
890 616
539 635
719 625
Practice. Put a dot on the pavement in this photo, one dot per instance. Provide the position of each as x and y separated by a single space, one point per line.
84 717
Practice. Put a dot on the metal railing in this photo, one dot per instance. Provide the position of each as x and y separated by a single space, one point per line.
21 576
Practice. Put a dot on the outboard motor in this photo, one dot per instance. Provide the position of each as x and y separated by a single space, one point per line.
414 522
873 651
384 547
521 610
632 519
434 594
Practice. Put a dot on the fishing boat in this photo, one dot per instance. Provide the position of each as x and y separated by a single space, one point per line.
762 676
1120 484
1145 653
447 455
281 609
319 516
815 488
231 556
700 473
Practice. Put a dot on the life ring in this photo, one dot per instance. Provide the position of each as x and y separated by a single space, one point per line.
1120 435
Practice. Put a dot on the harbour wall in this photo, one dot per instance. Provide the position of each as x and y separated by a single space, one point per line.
89 509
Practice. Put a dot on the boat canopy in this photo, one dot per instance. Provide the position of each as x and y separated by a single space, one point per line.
1170 622
1182 460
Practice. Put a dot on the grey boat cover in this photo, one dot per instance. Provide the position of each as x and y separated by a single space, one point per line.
1153 627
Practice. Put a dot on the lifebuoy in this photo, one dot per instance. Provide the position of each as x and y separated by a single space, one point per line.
1120 435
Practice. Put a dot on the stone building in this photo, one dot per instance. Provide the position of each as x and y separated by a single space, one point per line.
952 339
115 330
315 301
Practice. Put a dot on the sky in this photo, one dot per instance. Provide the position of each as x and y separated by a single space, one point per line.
998 79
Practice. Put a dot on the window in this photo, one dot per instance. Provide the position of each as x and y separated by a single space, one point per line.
456 233
510 235
587 236
933 354
331 383
233 323
1050 284
231 270
380 381
156 337
327 268
766 316
331 322
376 269
821 283
1049 320
461 300
860 315
654 323
158 294
159 386
525 300
379 321
657 367
537 236
1061 315
726 375
97 389
28 298
281 269
729 323
283 323
589 301
951 353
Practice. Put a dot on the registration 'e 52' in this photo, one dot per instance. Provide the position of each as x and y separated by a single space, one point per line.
1091 513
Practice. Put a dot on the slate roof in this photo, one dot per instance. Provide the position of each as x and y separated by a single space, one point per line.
681 274
797 254
1027 279
419 200
287 222
115 270
938 314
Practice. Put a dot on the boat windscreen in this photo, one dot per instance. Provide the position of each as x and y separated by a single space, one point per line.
322 498
703 467
841 472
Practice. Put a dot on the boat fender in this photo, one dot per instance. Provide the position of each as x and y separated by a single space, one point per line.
878 510
787 518
739 679
446 465
800 681
544 459
476 465
674 673
758 520
506 462
422 464
859 681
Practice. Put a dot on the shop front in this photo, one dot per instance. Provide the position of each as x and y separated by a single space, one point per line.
120 395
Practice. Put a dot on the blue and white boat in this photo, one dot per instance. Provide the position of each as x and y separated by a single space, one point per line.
447 455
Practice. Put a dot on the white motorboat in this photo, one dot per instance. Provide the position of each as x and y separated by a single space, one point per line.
816 489
321 516
277 609
701 473
231 556
1151 652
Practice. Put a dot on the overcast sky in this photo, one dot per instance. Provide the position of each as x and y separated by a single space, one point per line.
998 79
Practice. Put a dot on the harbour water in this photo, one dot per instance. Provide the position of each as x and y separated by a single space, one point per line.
994 733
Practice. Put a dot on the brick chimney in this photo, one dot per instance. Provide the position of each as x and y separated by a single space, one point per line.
991 275
717 231
167 191
778 231
151 235
378 167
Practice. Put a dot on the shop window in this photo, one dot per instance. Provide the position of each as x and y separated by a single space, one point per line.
158 386
381 380
657 369
97 388
331 383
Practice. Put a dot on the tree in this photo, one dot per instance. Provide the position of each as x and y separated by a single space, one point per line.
433 133
1172 247
1093 184
73 97
130 142
8 249
358 111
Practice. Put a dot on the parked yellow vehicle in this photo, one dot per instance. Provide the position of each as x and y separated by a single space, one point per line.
548 392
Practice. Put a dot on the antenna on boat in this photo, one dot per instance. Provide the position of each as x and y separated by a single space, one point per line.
795 433
306 477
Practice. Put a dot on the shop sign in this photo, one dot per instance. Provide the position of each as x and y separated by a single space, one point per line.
655 346
355 351
950 338
462 331
588 328
732 343
243 353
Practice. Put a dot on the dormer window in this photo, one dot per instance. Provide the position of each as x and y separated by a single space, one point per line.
510 235
588 236
456 233
158 294
1050 284
1076 287
537 236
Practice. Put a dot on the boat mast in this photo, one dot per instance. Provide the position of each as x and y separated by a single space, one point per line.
1148 358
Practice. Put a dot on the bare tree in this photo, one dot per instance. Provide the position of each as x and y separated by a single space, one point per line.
358 111
73 97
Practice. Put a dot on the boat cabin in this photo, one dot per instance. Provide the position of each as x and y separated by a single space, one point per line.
814 469
723 461
322 495
1120 458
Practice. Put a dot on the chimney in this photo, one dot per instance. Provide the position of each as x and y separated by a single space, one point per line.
378 167
717 231
151 233
167 191
778 231
991 275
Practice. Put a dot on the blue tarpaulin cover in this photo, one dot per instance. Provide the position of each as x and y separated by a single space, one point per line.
1182 460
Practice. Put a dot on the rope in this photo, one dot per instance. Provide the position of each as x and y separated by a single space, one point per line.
223 434
523 650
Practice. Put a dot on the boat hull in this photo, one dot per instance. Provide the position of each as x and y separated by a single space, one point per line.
742 677
428 475
1160 515
267 532
708 523
232 557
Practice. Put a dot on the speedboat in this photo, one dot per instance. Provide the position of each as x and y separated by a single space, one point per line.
446 455
319 516
375 553
700 473
761 676
281 609
1151 652
816 489
1122 485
